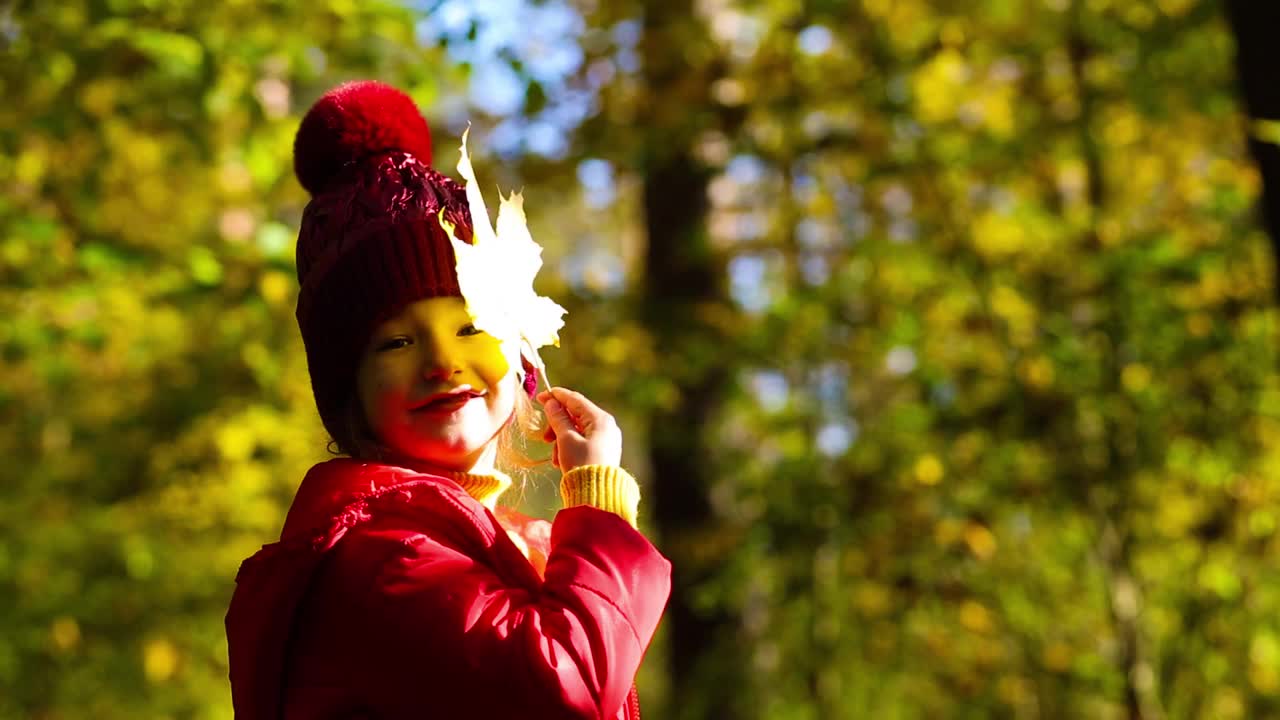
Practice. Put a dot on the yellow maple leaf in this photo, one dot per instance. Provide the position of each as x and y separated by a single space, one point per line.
496 273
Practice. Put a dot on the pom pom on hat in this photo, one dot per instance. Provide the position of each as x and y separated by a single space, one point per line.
352 122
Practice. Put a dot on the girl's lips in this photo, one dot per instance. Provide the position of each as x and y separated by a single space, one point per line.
446 404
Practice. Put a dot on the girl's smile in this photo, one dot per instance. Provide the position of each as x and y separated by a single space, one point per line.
448 402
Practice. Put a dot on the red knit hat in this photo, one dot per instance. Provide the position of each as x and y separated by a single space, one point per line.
370 242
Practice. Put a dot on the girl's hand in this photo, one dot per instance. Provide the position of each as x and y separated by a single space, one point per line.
582 433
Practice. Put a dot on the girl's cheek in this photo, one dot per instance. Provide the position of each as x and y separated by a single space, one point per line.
386 387
490 363
376 412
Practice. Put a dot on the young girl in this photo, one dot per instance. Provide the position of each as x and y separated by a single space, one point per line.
399 588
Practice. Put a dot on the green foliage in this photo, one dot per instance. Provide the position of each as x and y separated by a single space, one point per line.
1003 435
1007 256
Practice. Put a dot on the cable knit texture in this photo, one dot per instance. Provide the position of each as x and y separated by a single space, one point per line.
607 487
485 488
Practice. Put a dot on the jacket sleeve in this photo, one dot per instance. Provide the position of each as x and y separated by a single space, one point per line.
565 646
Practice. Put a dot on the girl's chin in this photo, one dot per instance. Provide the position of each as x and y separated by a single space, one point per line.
448 450
451 437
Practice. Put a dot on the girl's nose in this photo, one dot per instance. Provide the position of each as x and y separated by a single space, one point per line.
437 368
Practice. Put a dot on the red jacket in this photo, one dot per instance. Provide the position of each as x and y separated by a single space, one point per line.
395 594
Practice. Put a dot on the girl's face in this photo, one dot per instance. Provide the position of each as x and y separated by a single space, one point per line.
434 388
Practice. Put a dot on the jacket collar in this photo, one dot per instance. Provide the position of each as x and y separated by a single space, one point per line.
332 485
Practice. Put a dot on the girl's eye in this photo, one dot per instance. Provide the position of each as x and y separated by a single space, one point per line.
394 343
468 329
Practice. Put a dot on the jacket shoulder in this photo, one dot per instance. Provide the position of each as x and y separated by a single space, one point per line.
334 490
337 499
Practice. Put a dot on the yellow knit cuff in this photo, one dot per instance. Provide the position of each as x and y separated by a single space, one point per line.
607 487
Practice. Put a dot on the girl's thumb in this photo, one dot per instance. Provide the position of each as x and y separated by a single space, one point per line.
559 418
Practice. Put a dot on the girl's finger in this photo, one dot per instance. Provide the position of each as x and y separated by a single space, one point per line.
549 435
561 423
574 417
586 412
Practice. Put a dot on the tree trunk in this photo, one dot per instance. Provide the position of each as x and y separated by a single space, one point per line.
684 279
1257 56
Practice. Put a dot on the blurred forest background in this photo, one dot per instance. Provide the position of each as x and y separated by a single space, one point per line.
941 333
